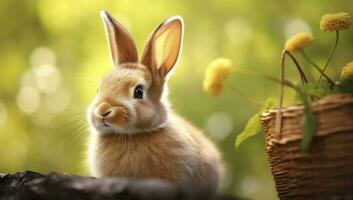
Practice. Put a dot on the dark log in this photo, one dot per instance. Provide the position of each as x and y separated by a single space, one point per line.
55 186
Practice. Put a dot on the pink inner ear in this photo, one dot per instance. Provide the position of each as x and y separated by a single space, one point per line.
173 52
162 49
168 45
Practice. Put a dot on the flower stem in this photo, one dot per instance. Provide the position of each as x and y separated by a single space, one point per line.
331 54
278 124
285 82
240 93
301 72
317 67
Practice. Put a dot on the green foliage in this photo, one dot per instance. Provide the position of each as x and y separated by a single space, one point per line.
345 85
310 90
315 91
304 92
253 126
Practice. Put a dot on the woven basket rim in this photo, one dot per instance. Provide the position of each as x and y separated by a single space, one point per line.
338 99
330 102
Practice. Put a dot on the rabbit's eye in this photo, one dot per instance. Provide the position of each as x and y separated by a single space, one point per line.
138 92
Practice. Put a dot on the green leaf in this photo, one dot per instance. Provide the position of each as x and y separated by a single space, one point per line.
252 128
254 125
308 126
308 122
270 103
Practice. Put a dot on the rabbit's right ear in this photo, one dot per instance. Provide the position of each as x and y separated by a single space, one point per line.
163 47
122 47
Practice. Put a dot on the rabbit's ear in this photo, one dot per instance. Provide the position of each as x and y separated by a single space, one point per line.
121 45
164 46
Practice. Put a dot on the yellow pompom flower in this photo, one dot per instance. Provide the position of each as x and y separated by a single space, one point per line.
298 42
347 70
216 73
335 22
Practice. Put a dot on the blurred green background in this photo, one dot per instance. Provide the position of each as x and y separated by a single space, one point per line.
53 53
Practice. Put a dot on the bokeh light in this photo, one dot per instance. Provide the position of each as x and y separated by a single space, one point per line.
59 101
42 56
250 185
28 99
219 125
238 30
295 26
47 78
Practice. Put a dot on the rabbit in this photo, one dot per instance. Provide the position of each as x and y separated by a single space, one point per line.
133 130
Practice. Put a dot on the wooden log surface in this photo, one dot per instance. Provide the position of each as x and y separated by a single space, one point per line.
56 186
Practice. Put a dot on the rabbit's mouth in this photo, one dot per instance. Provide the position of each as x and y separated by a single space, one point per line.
105 123
103 126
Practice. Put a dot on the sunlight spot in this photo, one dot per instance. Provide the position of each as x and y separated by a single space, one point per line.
47 78
250 185
219 125
295 26
28 99
28 78
3 114
42 56
238 30
58 101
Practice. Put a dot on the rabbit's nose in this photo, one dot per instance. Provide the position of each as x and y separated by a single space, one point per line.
103 110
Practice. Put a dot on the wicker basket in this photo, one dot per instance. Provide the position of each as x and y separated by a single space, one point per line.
326 170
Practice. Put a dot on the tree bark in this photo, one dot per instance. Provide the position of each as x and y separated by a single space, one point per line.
55 186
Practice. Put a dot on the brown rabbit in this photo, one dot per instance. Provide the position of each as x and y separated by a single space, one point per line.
134 131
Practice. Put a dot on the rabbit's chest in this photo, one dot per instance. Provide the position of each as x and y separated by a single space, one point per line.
154 156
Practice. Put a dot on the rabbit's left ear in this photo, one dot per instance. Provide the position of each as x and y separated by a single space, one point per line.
163 48
121 45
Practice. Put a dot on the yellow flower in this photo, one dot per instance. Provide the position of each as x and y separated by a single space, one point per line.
335 22
216 73
347 70
298 42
